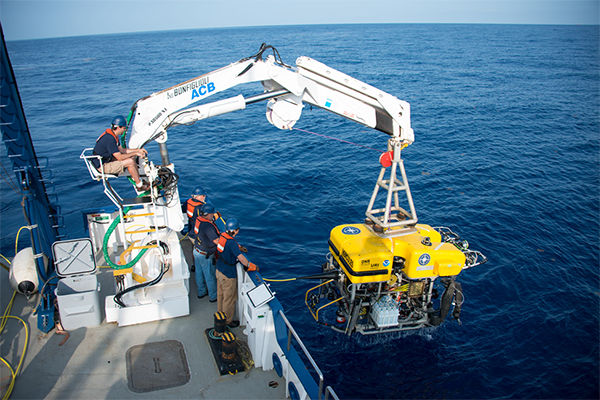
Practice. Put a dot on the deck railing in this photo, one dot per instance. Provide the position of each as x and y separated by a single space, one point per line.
292 332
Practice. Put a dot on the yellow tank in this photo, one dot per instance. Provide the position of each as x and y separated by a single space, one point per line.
367 257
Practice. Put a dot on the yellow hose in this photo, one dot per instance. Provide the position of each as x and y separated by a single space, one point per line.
13 373
17 240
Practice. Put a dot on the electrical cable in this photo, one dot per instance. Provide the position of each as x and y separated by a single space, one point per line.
41 292
7 311
164 268
258 56
4 266
279 280
117 297
17 239
14 373
168 182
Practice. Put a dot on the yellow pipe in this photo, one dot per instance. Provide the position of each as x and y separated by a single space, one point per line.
310 290
326 305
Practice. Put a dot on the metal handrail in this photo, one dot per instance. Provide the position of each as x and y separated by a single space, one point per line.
328 390
291 332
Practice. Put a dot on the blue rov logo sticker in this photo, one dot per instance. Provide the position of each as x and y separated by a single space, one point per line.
350 230
424 259
386 263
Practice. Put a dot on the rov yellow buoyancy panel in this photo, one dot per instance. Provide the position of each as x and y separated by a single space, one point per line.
426 256
362 254
366 257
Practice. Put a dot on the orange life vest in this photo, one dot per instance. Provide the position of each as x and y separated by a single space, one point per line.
191 205
110 132
223 241
201 219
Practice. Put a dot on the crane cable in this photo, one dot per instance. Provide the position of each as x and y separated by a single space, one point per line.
339 140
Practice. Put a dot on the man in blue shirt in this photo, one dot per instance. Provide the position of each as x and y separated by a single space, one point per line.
205 247
229 254
115 159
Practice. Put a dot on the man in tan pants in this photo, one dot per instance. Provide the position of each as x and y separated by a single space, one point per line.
229 255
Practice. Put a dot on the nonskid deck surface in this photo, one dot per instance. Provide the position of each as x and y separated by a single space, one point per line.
92 364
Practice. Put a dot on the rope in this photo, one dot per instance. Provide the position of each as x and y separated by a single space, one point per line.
245 354
339 140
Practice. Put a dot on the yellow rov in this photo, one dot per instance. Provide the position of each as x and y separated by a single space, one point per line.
385 274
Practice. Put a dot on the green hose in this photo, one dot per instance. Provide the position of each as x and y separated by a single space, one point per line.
111 228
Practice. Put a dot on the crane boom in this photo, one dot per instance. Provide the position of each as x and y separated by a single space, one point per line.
285 87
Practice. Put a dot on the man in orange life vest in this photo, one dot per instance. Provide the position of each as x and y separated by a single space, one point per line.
230 252
191 207
205 247
115 159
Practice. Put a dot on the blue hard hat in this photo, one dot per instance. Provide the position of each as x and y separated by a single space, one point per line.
207 208
232 224
198 191
119 120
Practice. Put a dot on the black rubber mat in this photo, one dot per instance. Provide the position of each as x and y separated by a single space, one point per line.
156 366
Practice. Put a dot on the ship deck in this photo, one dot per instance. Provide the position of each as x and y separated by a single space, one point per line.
92 361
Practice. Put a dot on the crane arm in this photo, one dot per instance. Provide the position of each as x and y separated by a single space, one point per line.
286 89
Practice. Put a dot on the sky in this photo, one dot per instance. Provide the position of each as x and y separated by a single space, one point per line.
29 19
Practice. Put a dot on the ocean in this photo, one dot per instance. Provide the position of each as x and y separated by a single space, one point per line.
506 153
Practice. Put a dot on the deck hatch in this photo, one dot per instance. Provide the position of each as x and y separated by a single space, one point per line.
156 366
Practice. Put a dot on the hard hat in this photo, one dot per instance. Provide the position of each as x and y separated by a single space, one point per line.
207 208
232 224
119 120
198 191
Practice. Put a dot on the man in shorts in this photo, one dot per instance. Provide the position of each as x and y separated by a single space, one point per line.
115 159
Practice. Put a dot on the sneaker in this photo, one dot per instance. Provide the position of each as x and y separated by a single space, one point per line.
234 324
144 188
213 301
203 296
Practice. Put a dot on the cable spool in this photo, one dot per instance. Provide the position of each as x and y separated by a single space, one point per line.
229 346
220 323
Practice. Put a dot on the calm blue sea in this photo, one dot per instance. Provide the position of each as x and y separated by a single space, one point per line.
506 120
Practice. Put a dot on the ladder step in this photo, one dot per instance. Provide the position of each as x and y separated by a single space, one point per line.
137 200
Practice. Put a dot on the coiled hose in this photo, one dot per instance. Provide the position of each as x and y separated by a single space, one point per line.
109 232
